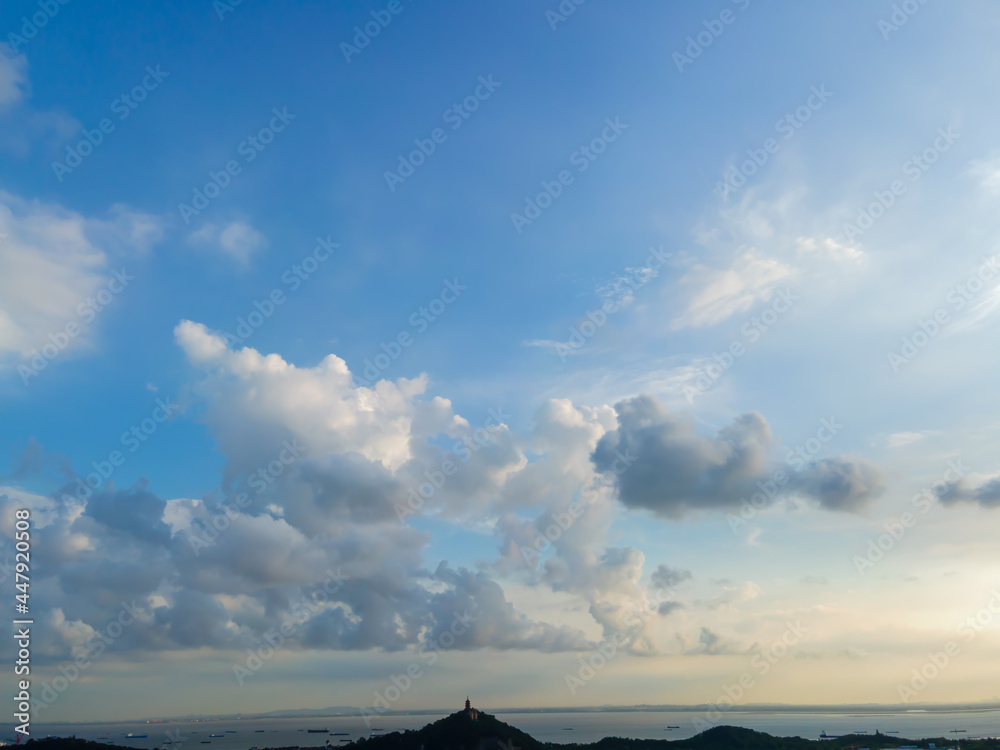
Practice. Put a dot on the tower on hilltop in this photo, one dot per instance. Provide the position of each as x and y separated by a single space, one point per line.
469 710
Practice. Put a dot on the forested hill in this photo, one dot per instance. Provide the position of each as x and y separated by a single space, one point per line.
486 732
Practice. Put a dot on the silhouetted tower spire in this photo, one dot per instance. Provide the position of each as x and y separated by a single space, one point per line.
469 710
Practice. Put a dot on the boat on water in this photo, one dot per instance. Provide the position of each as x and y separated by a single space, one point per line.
340 733
676 727
318 731
230 731
216 735
258 730
958 731
136 736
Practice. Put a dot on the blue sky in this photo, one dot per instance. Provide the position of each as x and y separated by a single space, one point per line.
767 307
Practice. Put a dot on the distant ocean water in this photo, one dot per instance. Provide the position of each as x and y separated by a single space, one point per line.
240 734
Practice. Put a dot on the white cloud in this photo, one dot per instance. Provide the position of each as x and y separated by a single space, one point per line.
722 292
52 260
899 439
367 446
128 228
237 239
981 311
47 266
22 126
548 344
735 594
987 171
829 247
256 394
617 293
759 244
13 80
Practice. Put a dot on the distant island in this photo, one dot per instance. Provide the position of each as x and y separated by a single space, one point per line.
471 729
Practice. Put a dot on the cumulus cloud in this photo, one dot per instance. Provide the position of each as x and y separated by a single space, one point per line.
340 460
369 448
709 643
845 484
667 467
252 578
669 577
983 491
494 621
662 464
562 544
219 573
665 578
135 511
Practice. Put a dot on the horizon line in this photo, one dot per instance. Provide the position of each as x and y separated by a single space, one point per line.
341 711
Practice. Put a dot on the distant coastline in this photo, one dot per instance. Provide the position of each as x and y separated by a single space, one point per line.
472 729
757 708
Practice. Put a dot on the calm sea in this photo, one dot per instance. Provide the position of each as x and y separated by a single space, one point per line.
241 734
